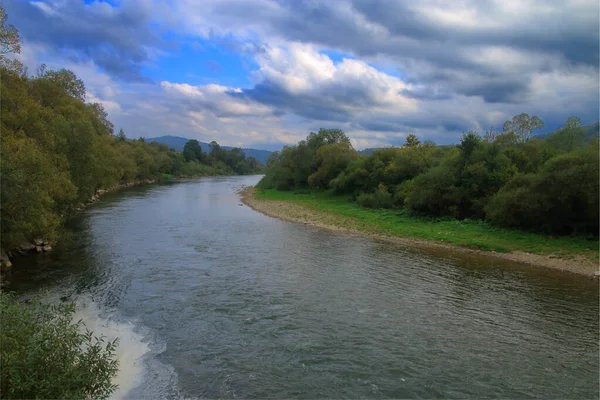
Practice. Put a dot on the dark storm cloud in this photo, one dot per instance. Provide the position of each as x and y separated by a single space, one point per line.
311 106
117 39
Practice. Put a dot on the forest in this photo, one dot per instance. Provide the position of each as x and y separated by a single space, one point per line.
57 150
509 179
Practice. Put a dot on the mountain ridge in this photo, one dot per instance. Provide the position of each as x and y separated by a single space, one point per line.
177 143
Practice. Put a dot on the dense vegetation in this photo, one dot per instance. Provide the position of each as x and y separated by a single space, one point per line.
46 356
57 149
507 179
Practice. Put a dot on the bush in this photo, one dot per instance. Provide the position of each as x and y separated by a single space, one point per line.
45 355
402 192
433 193
380 199
562 198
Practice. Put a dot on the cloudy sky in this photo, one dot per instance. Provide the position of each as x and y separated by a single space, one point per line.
263 73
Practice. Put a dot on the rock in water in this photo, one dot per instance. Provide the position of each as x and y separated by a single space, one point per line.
47 247
38 249
38 242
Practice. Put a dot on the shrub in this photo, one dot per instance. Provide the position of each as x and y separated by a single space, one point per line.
433 193
380 199
45 355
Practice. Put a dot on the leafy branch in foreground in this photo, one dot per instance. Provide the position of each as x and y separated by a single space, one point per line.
45 355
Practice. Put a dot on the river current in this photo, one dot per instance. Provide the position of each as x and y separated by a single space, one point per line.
211 299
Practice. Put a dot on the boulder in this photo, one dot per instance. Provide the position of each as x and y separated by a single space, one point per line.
38 242
47 248
27 247
38 249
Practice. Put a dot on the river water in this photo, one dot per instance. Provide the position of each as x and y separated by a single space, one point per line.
212 299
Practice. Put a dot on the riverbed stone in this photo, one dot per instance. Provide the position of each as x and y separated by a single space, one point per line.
27 247
47 248
38 249
38 242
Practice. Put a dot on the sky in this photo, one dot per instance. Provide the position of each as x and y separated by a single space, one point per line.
265 73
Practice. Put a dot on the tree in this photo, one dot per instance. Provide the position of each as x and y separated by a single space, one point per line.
121 135
68 81
47 356
332 159
572 123
522 125
569 137
468 144
192 151
101 123
412 141
490 135
10 42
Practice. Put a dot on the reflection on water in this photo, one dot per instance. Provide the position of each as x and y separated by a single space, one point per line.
231 303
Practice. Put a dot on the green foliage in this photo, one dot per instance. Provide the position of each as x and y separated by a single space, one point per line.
339 211
45 355
561 198
522 125
292 167
57 150
332 159
192 151
381 198
10 42
546 185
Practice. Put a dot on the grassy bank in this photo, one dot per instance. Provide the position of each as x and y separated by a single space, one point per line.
339 212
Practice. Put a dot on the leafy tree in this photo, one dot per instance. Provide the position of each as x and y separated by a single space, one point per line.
332 160
547 185
561 198
45 355
10 42
68 81
570 136
192 150
522 125
101 123
412 141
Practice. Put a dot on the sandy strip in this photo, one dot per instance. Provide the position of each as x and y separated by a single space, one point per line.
294 212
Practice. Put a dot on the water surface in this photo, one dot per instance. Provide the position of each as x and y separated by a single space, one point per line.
212 299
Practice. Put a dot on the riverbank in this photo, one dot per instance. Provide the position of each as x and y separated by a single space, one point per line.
43 245
575 255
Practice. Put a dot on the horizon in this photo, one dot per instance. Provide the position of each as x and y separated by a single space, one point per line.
379 70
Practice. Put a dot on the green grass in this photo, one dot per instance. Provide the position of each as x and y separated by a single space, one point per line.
468 233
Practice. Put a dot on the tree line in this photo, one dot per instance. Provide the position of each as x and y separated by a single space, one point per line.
509 178
57 149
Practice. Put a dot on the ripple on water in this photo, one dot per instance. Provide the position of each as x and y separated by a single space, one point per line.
229 302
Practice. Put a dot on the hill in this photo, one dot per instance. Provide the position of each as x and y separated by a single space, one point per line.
177 143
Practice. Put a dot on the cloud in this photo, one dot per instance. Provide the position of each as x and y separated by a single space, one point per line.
118 39
299 80
499 44
379 69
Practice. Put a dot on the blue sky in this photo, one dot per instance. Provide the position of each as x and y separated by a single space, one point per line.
264 73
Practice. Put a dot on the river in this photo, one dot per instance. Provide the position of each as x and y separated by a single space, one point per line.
212 299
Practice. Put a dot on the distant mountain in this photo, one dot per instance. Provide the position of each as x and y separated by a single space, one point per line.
368 151
177 143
